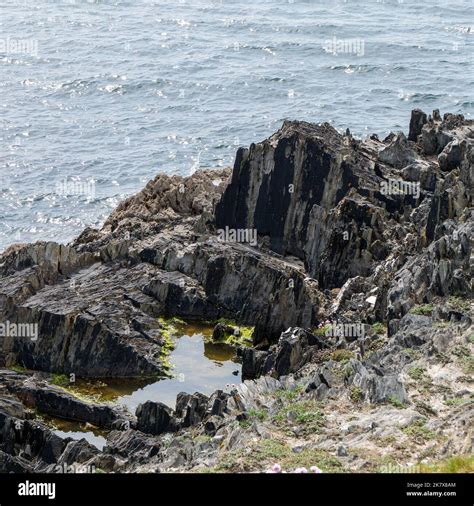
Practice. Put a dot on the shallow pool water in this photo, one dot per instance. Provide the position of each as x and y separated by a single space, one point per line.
198 366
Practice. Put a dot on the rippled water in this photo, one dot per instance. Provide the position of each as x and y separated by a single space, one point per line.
105 94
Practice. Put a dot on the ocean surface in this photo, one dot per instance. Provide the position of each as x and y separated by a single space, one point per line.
97 97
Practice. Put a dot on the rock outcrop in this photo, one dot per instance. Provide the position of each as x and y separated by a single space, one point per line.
352 260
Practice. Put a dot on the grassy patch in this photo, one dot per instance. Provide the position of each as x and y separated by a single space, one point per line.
305 415
466 359
412 353
60 380
456 401
18 368
379 328
458 464
288 395
257 414
356 395
422 309
267 452
342 355
168 333
321 331
419 432
460 304
417 373
395 402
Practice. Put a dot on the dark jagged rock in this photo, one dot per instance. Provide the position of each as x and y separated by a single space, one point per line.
295 348
417 120
155 418
349 231
56 402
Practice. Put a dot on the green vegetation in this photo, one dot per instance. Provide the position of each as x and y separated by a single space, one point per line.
356 395
258 414
457 401
19 368
244 339
457 464
412 353
418 431
321 331
423 309
460 304
288 395
417 373
168 333
342 355
60 380
306 415
395 402
379 328
466 358
270 451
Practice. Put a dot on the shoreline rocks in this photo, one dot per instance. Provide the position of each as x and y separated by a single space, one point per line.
321 230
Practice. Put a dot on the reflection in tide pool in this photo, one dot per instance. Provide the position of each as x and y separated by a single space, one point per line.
198 366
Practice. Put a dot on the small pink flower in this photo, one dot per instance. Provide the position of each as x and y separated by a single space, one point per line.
301 470
315 469
276 468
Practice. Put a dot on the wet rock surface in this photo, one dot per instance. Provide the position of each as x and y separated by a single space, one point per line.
352 260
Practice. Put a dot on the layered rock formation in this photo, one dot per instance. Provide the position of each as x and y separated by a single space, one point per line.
311 228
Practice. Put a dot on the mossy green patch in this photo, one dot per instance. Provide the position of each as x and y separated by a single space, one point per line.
379 328
244 336
419 432
460 304
417 373
343 355
321 331
395 402
422 309
356 394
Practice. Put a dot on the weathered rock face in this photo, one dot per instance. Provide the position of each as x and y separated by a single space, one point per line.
295 348
191 410
348 232
326 198
327 208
